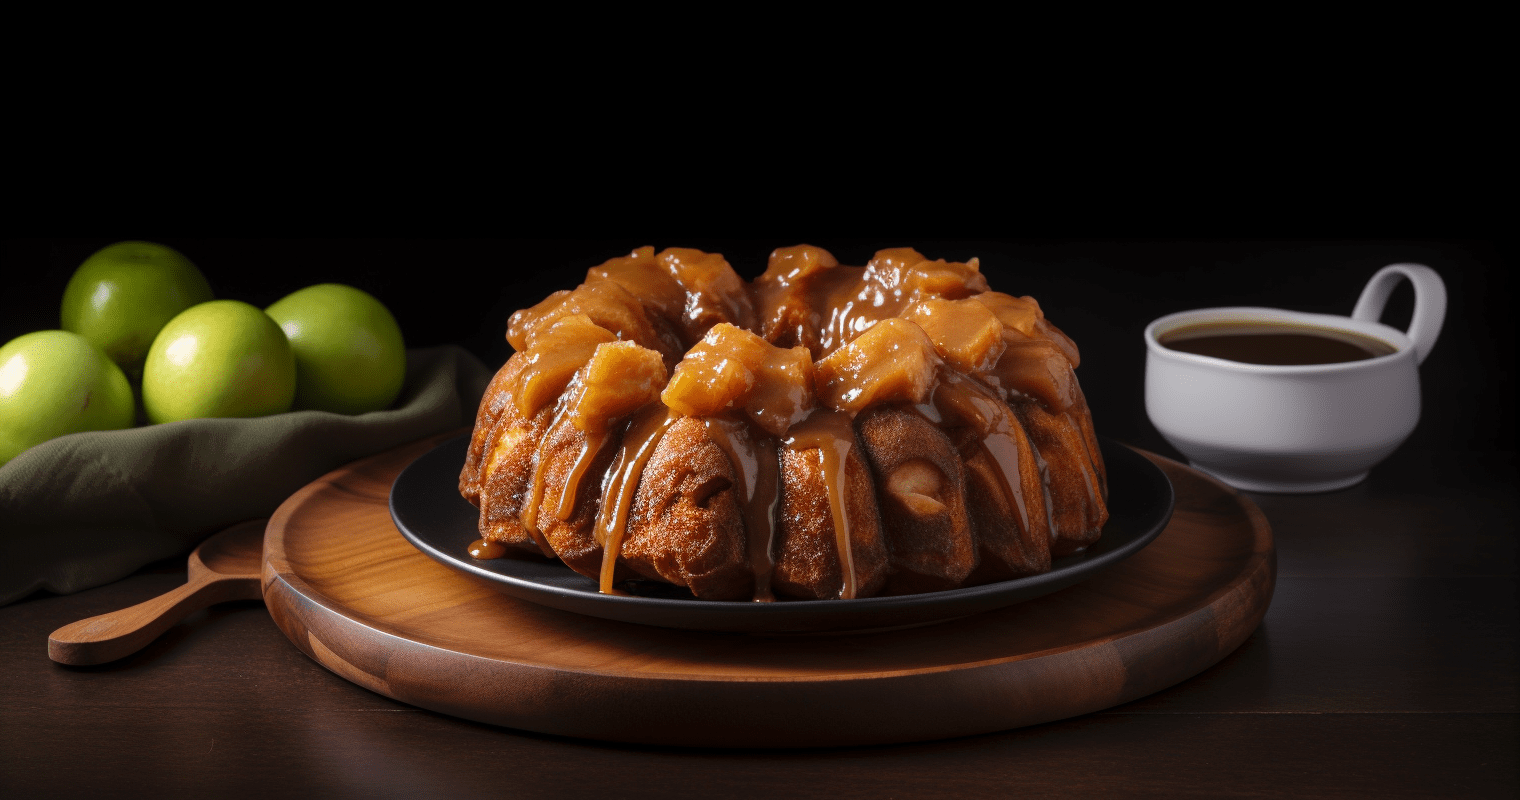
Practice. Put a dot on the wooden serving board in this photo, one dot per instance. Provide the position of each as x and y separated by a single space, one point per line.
350 592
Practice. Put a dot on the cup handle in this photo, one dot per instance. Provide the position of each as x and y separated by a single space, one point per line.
1429 303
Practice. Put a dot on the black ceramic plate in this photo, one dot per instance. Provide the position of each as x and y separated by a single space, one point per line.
427 508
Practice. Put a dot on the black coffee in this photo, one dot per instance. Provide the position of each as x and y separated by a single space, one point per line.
1259 343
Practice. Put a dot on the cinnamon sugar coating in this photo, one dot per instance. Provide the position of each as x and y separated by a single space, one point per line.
687 525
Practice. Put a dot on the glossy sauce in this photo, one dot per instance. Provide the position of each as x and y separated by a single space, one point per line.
966 402
833 435
805 299
1277 345
752 452
589 450
644 434
484 550
837 302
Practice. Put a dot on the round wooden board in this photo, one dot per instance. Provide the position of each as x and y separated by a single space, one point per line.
350 592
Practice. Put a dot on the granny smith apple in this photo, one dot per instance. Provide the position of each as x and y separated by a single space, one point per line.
57 382
121 296
350 357
224 358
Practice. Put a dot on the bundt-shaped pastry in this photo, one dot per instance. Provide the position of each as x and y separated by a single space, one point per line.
824 432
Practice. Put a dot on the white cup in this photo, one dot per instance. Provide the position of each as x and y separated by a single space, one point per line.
1300 428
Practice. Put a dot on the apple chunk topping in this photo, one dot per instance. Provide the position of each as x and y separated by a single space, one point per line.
1036 368
554 353
948 279
893 361
732 368
714 292
1023 316
1019 313
646 278
965 332
784 394
620 378
905 275
605 303
796 264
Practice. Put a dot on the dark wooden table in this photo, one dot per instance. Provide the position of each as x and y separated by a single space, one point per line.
1387 664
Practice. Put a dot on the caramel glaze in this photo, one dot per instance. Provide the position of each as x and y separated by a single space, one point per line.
1011 402
832 434
563 523
484 550
753 456
959 400
644 432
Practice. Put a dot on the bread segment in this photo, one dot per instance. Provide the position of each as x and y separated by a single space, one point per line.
687 526
928 533
809 564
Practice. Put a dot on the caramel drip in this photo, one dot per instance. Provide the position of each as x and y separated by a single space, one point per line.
484 550
530 508
832 434
644 433
753 453
967 402
589 450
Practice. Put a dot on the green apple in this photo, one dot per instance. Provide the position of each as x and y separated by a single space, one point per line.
121 297
350 357
224 358
57 382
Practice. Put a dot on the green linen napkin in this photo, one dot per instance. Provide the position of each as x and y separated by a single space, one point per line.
90 508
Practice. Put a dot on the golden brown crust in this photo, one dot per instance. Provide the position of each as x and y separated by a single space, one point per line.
573 538
921 489
687 526
1078 508
1083 417
807 550
497 397
1012 541
507 467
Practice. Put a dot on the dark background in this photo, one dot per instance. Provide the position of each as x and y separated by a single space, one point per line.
1101 292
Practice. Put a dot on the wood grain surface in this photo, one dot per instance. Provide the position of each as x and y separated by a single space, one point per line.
352 594
224 567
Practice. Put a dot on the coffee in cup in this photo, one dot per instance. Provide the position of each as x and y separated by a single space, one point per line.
1283 401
